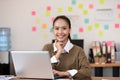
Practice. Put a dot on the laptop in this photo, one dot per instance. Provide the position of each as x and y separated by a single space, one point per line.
32 64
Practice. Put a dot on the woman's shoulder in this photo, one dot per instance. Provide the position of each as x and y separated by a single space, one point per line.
48 45
77 47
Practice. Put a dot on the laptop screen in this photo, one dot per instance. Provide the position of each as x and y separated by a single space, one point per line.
32 64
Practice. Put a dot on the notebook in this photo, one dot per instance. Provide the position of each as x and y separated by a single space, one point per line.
32 64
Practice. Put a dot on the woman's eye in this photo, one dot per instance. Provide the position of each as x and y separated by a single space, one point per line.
56 28
64 28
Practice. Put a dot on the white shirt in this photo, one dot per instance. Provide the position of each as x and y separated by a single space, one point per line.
67 48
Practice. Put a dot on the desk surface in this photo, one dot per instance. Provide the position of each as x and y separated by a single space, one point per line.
105 78
93 78
105 65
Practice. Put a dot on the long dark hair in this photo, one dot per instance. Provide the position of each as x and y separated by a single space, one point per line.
66 19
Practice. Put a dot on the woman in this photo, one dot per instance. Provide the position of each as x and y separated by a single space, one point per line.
68 60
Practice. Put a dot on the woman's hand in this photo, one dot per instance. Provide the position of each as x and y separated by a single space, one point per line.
59 46
61 73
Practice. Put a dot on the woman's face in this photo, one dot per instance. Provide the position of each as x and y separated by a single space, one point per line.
61 30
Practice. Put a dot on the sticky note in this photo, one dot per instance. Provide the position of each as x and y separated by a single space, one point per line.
44 26
47 13
33 13
52 19
80 6
81 29
73 2
70 9
101 33
48 8
75 36
97 25
45 35
117 25
106 27
119 15
60 10
85 12
34 28
37 20
51 30
118 6
89 27
86 20
91 6
101 1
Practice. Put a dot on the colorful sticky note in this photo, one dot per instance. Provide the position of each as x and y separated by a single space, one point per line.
45 35
101 1
85 12
34 28
60 10
118 6
70 9
47 13
33 13
106 27
75 36
73 2
51 29
81 29
119 15
117 26
48 8
89 27
37 20
86 20
101 33
52 19
44 26
91 6
80 6
97 25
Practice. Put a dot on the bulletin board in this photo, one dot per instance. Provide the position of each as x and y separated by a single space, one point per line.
31 21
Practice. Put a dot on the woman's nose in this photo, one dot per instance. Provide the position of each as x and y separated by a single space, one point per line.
60 31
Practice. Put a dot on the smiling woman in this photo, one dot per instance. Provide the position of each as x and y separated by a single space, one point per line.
68 60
